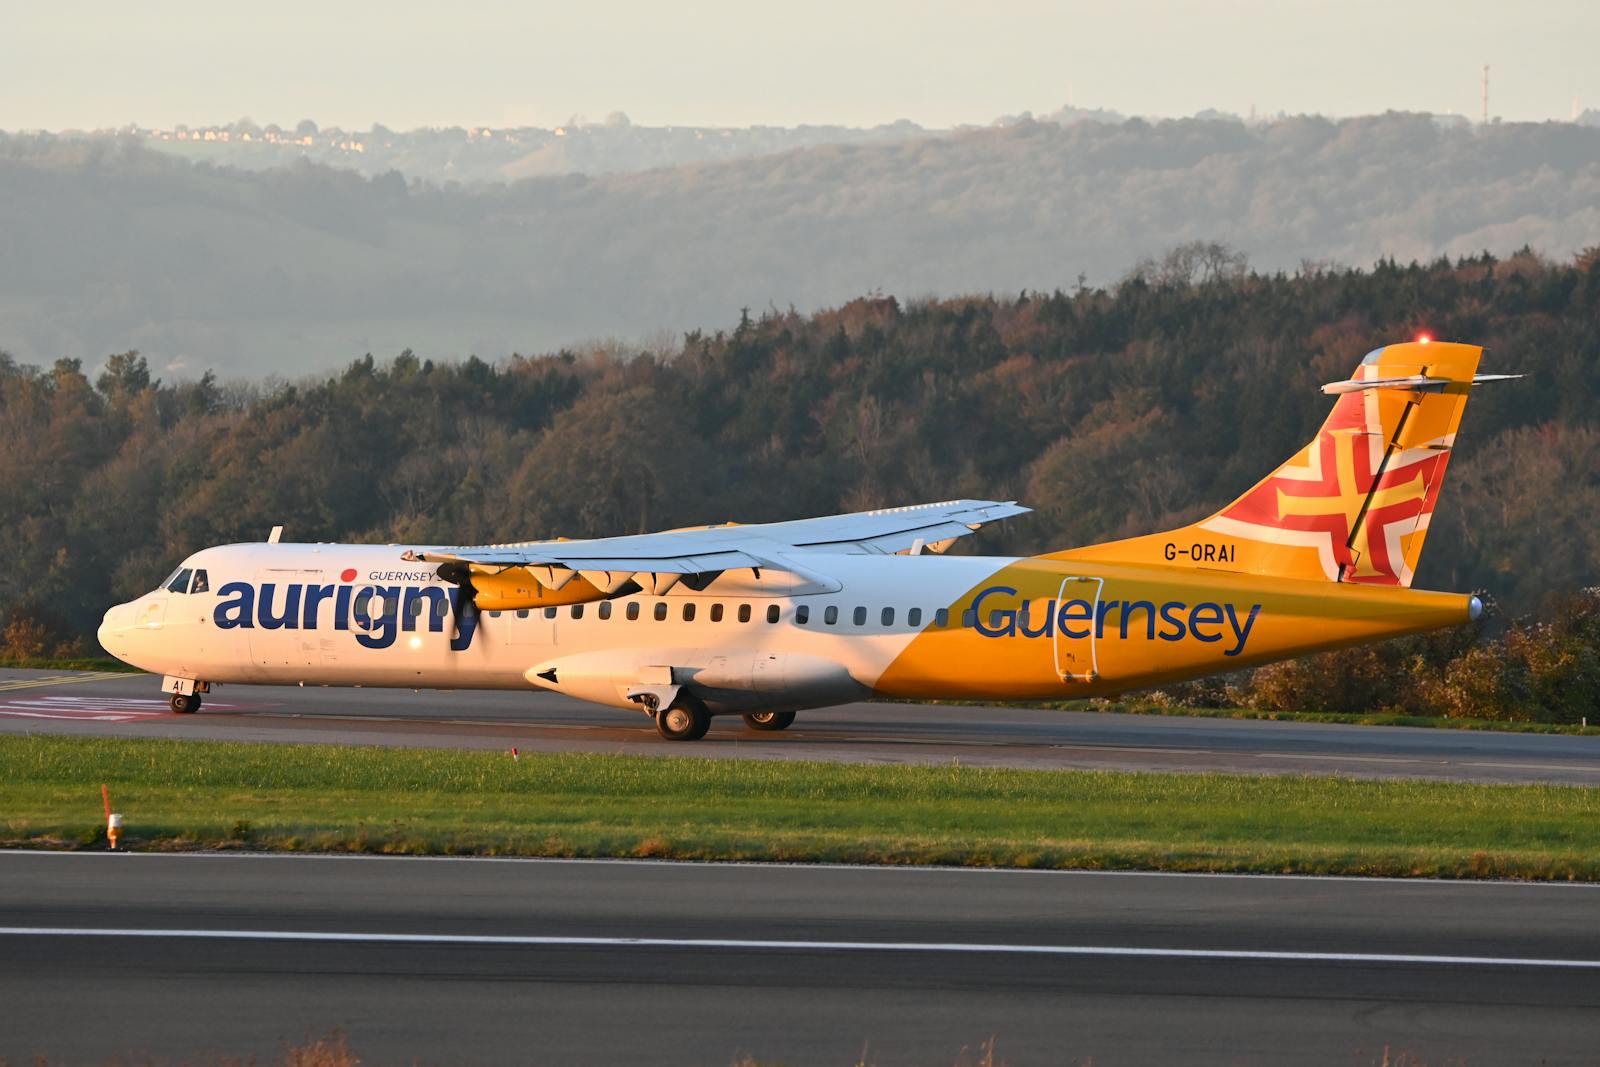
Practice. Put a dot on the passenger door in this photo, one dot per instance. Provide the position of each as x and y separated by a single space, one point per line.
1077 658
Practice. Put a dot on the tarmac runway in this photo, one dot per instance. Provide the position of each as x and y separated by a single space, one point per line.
504 961
539 721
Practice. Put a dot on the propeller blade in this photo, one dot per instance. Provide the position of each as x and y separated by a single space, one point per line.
460 576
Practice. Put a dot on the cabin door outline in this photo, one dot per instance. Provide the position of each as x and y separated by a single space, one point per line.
1068 661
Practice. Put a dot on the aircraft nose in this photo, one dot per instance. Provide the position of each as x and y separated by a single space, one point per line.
113 628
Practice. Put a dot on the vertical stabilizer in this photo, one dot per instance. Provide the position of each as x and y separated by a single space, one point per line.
1355 503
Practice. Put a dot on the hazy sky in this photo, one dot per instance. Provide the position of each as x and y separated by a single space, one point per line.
404 63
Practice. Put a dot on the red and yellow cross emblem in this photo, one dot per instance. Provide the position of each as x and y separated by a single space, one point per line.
1326 495
1342 506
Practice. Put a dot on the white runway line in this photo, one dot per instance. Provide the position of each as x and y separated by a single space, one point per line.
88 708
10 713
800 946
64 679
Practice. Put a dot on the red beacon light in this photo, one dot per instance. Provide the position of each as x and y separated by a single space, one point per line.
1424 338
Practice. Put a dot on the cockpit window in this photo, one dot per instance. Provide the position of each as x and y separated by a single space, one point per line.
180 581
201 583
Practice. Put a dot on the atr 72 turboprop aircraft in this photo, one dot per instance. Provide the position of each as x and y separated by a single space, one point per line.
765 620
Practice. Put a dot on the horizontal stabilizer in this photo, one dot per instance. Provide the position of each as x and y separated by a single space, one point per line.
1419 383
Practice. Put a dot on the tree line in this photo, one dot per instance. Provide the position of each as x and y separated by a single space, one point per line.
1111 411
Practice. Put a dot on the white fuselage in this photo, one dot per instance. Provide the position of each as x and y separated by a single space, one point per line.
357 615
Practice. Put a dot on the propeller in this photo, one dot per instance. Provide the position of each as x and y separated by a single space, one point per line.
460 576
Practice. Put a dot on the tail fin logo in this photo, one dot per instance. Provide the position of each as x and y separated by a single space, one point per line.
1344 501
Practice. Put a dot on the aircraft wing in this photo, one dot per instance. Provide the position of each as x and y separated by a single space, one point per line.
716 548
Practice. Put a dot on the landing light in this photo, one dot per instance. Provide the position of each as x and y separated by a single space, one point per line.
416 642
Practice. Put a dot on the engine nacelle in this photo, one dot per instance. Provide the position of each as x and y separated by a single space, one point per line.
523 587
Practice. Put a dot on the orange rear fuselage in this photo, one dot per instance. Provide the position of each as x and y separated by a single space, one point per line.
1046 627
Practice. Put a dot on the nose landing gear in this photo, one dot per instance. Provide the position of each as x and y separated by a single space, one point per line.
185 693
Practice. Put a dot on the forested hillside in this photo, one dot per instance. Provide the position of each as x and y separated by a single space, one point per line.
301 269
1109 411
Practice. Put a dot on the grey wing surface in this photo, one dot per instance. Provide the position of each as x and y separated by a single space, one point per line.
716 548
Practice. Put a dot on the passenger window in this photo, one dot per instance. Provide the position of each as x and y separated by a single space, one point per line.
201 584
604 611
716 613
772 613
549 613
887 617
633 610
941 618
441 609
522 613
577 611
830 614
414 608
180 581
494 614
802 614
363 604
661 611
688 612
744 612
859 616
996 620
969 619
914 617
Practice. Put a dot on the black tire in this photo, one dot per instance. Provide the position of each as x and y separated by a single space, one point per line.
686 720
185 704
769 720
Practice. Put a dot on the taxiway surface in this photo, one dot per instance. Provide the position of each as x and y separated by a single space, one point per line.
505 961
538 721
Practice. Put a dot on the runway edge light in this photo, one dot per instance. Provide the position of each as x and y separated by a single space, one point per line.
113 820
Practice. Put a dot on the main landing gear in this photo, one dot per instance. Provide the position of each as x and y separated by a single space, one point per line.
185 703
682 720
686 720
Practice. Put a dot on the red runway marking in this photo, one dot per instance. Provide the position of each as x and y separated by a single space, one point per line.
87 708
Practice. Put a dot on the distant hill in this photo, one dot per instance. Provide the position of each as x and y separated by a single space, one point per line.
105 246
482 154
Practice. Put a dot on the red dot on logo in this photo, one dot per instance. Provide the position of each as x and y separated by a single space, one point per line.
349 574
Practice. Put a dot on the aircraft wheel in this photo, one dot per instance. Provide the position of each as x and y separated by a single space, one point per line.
769 720
185 704
686 720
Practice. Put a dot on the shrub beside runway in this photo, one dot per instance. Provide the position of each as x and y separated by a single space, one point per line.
195 794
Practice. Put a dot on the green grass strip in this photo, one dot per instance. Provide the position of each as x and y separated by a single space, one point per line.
197 794
79 663
1358 718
